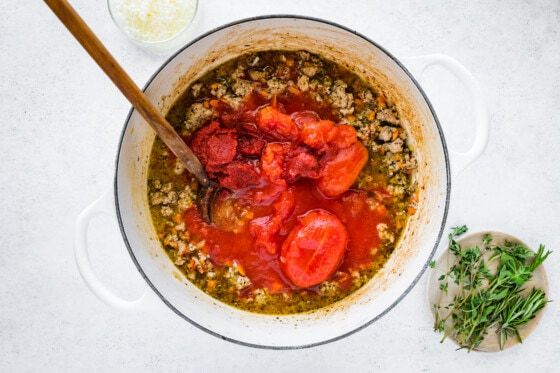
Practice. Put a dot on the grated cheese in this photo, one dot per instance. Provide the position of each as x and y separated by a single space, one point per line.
156 20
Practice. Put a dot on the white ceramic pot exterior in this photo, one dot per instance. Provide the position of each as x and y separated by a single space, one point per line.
414 251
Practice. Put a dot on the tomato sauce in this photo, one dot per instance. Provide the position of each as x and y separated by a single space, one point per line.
254 214
263 267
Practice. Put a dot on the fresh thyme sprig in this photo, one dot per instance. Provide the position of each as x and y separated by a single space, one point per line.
486 298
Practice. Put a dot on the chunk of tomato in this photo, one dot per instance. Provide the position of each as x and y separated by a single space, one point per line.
343 136
302 117
264 231
322 134
313 249
341 169
272 162
317 134
266 228
277 124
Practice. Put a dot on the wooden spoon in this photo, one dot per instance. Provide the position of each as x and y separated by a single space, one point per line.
80 30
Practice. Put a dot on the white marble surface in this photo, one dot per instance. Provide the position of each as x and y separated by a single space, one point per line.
60 122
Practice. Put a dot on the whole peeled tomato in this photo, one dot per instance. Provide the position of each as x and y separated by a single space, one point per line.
314 248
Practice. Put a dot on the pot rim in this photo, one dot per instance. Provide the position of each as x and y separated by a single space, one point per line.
447 184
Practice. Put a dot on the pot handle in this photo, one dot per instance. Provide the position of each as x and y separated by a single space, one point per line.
459 160
103 205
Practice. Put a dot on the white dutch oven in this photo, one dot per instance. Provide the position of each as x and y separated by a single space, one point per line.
420 238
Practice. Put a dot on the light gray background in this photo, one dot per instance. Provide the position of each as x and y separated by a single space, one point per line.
60 121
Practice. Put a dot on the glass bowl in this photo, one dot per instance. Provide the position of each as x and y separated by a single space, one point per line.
158 26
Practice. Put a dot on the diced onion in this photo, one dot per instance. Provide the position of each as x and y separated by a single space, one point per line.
156 20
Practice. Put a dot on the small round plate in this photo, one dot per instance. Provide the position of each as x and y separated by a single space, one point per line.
446 260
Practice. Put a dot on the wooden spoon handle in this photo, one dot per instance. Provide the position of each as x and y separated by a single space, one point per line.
80 30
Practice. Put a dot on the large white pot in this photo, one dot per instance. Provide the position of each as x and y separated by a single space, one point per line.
414 250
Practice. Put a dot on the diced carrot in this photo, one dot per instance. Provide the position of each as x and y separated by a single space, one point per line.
351 117
214 103
191 265
293 90
381 209
240 269
206 104
166 241
358 102
371 116
214 85
395 135
177 218
211 285
290 62
275 287
410 210
264 94
381 102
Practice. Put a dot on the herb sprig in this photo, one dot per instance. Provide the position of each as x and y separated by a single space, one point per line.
488 299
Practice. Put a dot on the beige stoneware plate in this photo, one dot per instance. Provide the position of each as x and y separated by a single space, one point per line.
444 262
